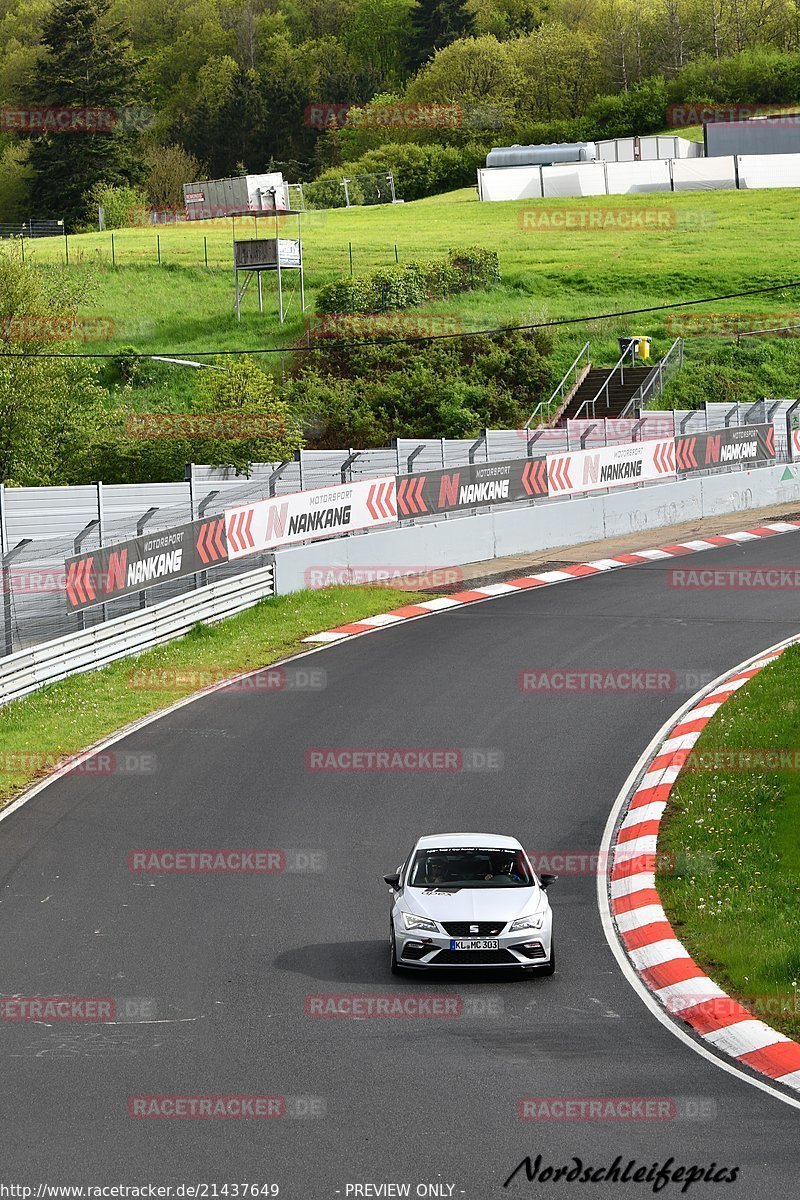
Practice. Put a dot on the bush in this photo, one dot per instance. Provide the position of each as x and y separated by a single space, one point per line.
393 288
123 205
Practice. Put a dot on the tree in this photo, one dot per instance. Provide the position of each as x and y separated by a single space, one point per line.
50 409
88 64
435 24
168 169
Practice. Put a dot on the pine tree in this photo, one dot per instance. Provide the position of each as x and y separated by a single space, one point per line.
435 24
88 65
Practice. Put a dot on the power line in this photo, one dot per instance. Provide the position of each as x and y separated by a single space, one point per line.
431 337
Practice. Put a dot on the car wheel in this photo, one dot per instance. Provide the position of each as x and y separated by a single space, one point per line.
393 964
550 967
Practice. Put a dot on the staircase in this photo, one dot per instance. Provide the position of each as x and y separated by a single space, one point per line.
617 397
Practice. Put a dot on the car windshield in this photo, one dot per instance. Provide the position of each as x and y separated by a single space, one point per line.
465 867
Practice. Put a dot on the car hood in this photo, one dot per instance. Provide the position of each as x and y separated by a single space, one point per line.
474 904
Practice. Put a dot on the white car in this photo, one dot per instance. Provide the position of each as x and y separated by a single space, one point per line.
470 900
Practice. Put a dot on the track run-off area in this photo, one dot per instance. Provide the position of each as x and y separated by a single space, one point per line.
223 972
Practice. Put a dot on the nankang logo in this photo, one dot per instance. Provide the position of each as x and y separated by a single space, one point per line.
623 470
738 451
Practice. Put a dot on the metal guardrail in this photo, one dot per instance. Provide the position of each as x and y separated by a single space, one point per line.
571 372
27 670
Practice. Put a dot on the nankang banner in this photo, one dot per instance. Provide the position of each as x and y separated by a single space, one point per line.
471 486
317 513
143 562
610 466
741 445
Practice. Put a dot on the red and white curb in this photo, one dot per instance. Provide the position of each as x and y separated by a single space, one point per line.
576 571
657 956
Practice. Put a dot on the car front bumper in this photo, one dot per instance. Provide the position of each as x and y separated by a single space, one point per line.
528 948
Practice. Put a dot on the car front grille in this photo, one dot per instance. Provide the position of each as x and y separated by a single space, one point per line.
473 928
474 958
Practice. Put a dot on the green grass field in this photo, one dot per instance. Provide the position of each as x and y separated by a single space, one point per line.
709 243
738 914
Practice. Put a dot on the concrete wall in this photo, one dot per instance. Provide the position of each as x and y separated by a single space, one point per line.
528 529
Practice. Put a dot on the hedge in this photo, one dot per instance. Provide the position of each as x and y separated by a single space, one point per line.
412 283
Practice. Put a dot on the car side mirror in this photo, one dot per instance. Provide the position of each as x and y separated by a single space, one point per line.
393 881
546 880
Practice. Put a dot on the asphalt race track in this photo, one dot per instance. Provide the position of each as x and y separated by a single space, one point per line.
228 960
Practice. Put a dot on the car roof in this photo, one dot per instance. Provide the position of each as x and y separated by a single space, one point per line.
452 841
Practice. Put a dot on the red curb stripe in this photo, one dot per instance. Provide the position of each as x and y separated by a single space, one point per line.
638 865
465 597
717 1013
531 581
645 935
651 795
675 970
762 531
581 569
696 726
631 559
631 832
353 627
626 904
778 1059
409 610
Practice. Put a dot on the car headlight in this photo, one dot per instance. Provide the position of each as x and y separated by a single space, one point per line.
413 922
527 923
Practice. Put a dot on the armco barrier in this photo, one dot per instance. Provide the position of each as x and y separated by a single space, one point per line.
28 670
438 543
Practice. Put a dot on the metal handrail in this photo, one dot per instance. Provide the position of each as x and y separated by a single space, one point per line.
657 375
619 365
559 391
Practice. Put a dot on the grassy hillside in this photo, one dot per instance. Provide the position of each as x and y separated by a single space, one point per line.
709 243
698 244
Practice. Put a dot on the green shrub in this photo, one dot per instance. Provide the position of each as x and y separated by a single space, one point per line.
392 288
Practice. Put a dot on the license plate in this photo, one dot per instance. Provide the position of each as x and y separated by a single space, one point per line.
474 943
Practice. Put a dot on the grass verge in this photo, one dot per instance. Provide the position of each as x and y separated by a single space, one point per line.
736 821
66 717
